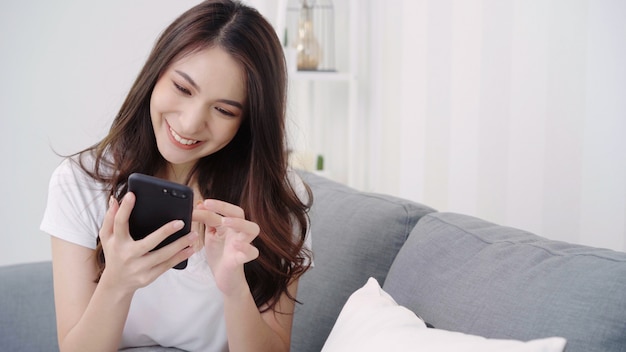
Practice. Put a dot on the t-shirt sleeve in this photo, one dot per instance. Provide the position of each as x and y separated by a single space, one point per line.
299 187
75 207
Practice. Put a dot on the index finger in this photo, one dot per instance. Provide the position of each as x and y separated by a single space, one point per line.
207 217
224 208
152 240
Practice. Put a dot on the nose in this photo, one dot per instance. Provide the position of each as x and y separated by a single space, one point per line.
193 119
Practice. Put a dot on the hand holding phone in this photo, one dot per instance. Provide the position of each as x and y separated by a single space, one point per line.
158 202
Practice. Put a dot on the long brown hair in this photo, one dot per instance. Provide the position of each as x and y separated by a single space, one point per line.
251 171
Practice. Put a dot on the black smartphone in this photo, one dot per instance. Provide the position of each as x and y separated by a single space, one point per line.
158 202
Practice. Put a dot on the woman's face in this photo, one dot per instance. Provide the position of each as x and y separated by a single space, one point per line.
197 105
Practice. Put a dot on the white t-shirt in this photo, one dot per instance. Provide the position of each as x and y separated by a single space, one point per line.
181 308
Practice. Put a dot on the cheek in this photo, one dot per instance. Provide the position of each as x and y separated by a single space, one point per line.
229 130
234 128
162 99
154 102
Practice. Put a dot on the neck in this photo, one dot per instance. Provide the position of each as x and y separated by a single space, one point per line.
177 173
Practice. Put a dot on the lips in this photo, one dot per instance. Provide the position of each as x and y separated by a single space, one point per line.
181 140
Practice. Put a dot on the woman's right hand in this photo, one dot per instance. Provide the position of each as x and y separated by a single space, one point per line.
130 264
90 316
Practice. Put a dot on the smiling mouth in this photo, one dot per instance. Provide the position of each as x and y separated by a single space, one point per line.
182 140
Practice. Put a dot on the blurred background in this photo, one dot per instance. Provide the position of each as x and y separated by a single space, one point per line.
510 110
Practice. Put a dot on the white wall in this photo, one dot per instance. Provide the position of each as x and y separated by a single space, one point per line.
510 110
66 66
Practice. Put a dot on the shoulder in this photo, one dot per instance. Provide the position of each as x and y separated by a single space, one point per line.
76 203
298 185
80 169
305 195
68 172
72 171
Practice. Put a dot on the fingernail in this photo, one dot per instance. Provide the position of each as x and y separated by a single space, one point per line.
178 224
112 201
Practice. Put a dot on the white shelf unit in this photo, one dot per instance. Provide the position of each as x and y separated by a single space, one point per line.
322 106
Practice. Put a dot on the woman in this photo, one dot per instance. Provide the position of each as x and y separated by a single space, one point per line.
207 110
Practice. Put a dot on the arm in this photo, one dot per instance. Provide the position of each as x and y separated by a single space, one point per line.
249 330
88 315
228 245
91 316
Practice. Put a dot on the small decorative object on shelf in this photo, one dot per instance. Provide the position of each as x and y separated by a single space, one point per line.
310 30
308 48
319 164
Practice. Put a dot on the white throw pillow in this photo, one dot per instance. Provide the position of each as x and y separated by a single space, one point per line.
372 321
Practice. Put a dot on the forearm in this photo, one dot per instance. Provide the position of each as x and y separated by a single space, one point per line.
101 325
246 328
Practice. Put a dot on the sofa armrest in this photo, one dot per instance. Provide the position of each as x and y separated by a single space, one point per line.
27 319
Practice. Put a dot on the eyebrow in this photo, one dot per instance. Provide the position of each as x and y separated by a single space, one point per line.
188 79
193 83
231 102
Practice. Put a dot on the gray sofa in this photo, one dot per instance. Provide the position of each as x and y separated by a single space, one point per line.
457 272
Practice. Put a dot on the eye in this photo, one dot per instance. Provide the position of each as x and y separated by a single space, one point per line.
224 111
182 89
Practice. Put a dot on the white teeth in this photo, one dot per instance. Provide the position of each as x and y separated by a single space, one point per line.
182 140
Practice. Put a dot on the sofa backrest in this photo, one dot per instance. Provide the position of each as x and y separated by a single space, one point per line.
355 236
464 274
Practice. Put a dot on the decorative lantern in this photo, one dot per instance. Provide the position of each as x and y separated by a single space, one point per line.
310 31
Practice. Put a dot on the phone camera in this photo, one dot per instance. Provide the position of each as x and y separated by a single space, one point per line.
176 194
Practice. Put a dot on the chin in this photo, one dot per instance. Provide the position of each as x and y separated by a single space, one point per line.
176 157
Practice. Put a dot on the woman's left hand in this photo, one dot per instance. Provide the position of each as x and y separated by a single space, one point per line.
227 242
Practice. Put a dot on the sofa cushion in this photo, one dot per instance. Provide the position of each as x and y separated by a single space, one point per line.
358 238
464 274
371 321
27 320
